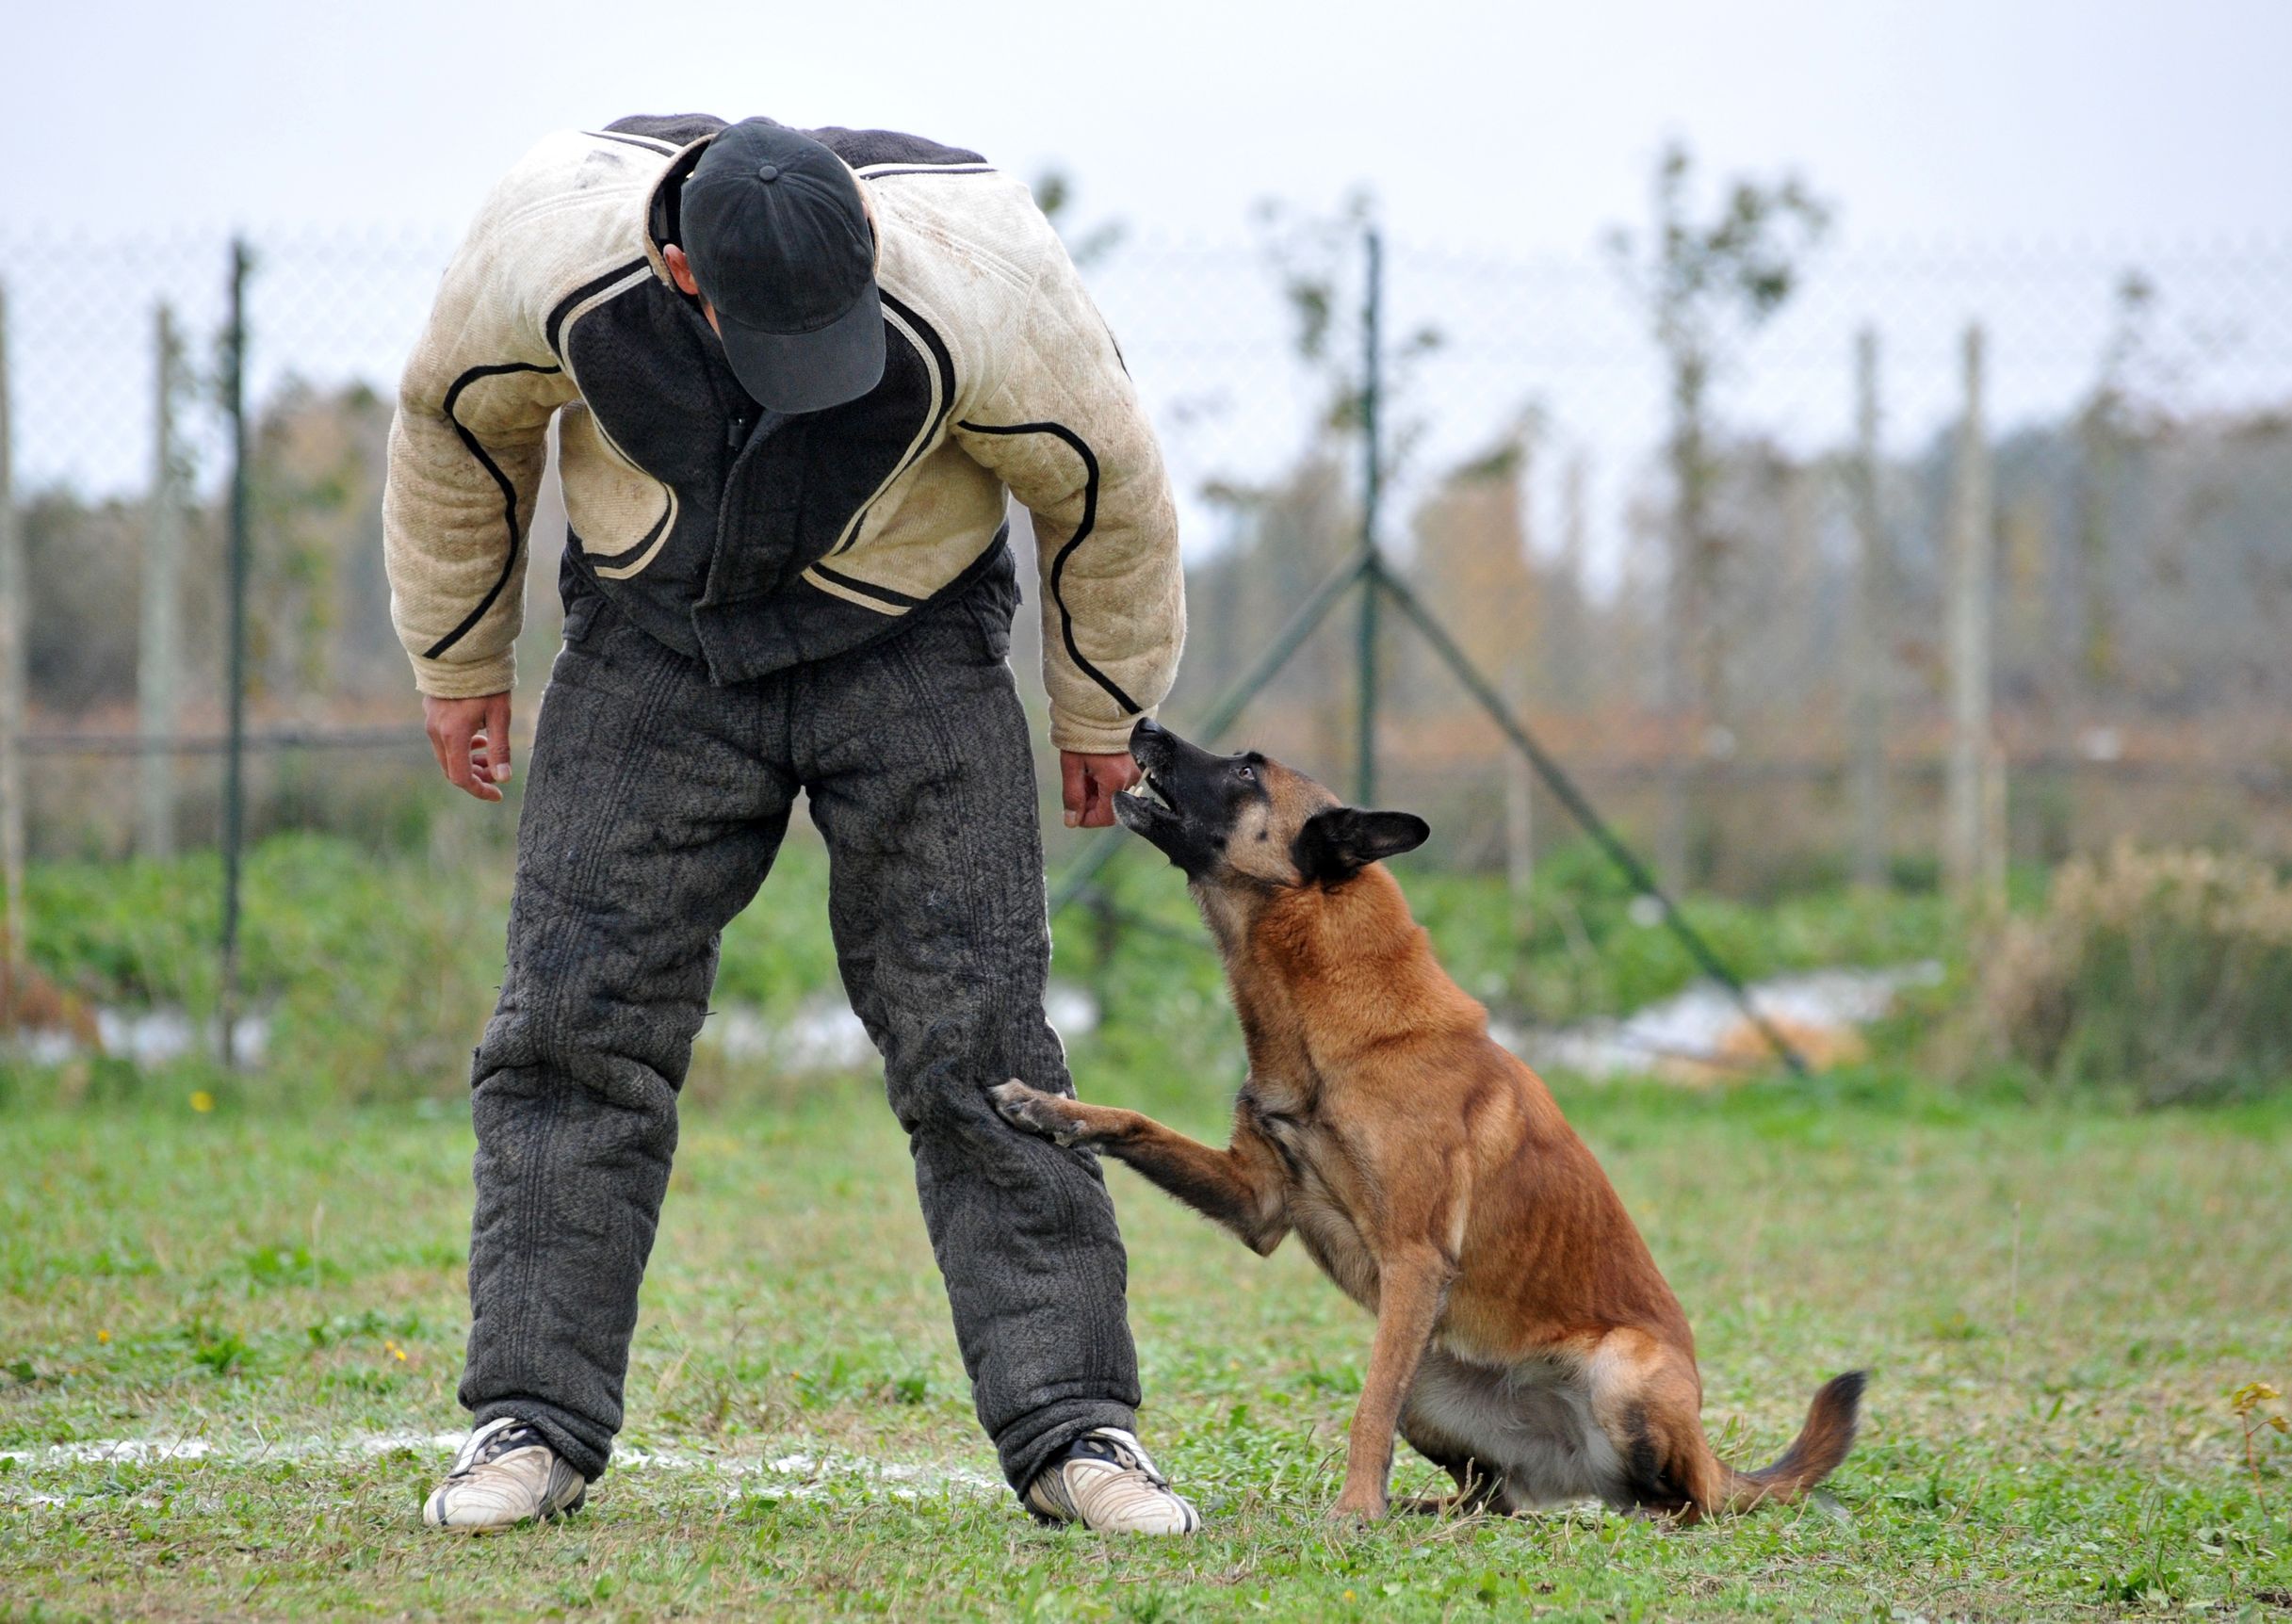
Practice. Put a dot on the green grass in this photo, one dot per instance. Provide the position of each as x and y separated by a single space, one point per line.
2054 1307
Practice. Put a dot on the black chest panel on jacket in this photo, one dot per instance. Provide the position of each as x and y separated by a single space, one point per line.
647 373
760 496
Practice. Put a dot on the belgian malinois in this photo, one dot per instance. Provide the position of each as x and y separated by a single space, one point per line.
1525 1340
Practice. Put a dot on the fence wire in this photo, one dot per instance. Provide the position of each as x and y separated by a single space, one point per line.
2140 425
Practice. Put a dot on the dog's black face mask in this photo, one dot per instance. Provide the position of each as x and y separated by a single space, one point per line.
1190 802
1246 821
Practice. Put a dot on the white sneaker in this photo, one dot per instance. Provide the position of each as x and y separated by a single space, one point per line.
1106 1480
506 1475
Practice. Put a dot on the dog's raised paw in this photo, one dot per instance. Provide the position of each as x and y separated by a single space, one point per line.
1011 1099
1035 1111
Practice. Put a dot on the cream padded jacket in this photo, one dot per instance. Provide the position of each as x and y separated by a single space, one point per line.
752 542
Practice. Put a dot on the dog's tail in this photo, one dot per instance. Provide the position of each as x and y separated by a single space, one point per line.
1814 1455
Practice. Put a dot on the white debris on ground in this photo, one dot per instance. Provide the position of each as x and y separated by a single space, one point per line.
821 1036
825 1035
1694 1036
1702 1033
148 1037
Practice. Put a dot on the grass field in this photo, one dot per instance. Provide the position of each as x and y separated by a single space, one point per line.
2056 1309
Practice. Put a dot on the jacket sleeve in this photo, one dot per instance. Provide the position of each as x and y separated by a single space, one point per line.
1067 433
466 452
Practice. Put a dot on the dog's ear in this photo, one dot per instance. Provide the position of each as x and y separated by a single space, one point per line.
1339 843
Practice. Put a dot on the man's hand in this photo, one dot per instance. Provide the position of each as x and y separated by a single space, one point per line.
1089 785
471 740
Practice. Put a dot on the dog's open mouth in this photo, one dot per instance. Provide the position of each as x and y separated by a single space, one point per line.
1145 804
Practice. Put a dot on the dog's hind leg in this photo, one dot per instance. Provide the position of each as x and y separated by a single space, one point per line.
1241 1187
1648 1402
1455 1417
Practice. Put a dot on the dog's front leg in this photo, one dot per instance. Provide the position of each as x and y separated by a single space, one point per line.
1411 1285
1241 1187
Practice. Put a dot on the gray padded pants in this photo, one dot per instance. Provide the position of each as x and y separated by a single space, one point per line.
654 808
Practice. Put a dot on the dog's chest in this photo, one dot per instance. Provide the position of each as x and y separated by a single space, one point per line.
1320 1197
1331 1240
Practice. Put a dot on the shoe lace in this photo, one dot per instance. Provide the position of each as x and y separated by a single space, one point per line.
493 1440
1120 1449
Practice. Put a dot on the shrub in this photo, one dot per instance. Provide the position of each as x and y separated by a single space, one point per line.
2166 972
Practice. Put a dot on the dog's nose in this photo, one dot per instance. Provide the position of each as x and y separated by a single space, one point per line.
1147 729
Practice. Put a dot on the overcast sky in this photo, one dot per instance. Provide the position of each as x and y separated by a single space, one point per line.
2119 133
1505 126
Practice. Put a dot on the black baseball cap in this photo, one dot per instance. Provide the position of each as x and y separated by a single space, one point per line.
780 245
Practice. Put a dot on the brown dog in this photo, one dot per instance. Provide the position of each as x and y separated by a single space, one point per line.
1525 1339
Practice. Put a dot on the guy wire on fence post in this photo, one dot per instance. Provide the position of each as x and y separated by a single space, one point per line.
1580 808
235 755
1368 572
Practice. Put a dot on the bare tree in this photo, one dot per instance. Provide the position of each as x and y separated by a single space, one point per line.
1704 285
2105 426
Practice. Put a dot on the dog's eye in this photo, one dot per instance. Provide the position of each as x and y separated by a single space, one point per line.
1244 771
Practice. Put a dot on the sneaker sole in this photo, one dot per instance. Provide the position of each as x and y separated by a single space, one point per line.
479 1530
1046 1519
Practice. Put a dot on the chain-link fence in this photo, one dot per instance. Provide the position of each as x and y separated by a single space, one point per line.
2138 439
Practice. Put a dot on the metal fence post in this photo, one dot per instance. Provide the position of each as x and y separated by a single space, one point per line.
11 708
1970 580
1866 628
1372 481
235 759
158 670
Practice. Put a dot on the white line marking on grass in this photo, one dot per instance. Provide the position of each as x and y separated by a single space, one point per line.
799 1474
96 1451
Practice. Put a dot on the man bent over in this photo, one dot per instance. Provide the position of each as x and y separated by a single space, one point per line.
793 376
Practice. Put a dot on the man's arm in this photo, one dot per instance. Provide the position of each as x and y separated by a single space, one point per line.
1065 429
466 452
